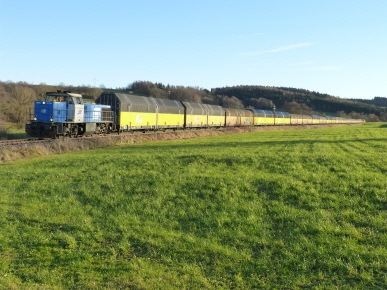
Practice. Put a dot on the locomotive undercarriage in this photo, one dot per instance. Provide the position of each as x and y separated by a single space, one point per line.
55 130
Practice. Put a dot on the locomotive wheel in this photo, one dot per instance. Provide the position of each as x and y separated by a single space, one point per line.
73 132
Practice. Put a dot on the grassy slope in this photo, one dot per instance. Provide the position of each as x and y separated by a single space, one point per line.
270 209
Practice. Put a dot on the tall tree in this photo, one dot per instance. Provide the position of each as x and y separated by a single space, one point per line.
18 98
295 108
261 103
232 102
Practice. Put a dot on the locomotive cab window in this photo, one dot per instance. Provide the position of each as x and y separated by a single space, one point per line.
78 101
55 98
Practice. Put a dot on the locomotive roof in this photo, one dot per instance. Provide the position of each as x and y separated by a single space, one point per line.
64 94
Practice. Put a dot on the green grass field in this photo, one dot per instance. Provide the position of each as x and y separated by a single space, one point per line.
274 210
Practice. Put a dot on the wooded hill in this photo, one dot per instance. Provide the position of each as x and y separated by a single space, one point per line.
377 101
16 98
291 99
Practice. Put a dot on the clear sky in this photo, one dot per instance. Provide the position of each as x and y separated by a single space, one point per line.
336 47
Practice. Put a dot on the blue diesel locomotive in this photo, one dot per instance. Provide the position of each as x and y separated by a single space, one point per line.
65 114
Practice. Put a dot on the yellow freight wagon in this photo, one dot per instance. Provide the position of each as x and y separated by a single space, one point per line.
215 116
307 120
165 121
196 115
282 118
137 120
270 118
259 117
237 117
329 119
295 119
263 117
315 119
232 117
170 113
131 112
247 118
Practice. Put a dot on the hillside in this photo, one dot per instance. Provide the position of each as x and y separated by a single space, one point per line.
16 98
377 101
290 209
317 102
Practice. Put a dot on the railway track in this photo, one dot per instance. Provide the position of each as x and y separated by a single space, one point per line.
18 142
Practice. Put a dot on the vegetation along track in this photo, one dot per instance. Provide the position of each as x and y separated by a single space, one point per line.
32 141
19 142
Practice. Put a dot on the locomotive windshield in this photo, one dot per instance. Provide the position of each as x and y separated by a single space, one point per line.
58 98
64 98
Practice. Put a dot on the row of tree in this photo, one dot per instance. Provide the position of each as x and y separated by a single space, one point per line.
16 98
316 101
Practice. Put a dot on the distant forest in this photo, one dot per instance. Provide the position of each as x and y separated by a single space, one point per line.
377 101
16 98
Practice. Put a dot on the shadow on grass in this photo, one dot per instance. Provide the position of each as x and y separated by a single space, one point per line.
6 135
249 144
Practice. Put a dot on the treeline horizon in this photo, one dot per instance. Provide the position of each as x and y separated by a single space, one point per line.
16 98
377 101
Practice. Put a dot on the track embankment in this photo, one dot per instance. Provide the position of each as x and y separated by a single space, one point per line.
59 146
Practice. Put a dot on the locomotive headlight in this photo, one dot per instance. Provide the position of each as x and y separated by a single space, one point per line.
51 119
35 118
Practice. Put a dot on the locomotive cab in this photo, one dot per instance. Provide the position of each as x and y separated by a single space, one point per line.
64 97
74 105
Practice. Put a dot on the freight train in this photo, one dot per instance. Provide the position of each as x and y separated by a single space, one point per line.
65 114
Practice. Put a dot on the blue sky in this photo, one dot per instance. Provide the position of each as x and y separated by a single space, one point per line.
333 46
